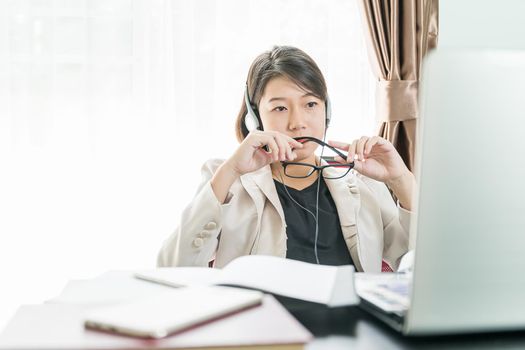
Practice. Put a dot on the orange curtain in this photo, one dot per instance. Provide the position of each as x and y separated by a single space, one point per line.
398 35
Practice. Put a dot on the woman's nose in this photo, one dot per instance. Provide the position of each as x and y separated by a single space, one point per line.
297 120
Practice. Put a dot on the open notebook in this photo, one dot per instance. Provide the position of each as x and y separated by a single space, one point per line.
330 285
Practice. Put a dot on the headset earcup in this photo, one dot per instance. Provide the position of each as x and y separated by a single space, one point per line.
251 122
251 119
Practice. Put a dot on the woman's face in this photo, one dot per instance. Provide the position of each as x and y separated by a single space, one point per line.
287 108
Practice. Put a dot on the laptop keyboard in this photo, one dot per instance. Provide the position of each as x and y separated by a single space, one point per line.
401 289
390 293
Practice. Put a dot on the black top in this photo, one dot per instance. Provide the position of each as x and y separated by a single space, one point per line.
331 246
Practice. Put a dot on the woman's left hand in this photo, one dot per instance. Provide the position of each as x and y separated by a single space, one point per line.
373 157
377 158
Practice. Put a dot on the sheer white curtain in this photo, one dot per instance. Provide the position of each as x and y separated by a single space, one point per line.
109 107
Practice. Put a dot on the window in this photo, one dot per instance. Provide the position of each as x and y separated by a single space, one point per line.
99 99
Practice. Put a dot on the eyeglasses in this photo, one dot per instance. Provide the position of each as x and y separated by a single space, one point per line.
292 169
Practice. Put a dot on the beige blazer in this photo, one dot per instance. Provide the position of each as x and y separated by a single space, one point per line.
251 221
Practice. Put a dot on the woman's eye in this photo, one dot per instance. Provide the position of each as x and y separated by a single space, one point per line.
280 109
311 104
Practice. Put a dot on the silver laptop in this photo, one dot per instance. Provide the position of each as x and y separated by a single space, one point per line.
469 229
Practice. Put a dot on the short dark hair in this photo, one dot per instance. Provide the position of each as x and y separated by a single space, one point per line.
281 61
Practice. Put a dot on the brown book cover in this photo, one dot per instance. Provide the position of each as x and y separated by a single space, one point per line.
60 327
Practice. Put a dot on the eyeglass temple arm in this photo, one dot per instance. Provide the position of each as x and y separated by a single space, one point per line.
303 139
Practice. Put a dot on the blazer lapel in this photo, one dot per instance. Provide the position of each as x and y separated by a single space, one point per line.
261 182
347 199
345 194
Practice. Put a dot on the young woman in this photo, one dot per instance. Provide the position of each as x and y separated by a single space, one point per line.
275 196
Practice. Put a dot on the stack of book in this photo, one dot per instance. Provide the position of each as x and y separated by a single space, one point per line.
125 310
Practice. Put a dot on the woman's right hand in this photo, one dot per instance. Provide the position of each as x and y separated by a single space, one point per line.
251 156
